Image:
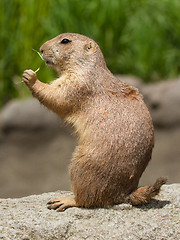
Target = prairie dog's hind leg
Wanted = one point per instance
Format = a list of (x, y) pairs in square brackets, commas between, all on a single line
[(62, 203)]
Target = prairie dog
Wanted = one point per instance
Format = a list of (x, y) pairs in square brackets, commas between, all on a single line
[(113, 125)]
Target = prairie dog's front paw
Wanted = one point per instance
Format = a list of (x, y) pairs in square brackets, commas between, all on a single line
[(29, 77)]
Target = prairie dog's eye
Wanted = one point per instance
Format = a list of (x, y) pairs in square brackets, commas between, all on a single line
[(65, 41)]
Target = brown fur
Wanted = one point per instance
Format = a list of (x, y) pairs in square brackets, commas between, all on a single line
[(113, 125)]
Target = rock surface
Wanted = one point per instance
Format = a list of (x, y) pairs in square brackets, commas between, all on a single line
[(163, 101), (27, 115), (28, 218)]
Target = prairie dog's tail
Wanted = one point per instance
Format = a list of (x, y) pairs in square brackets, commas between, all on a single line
[(142, 195)]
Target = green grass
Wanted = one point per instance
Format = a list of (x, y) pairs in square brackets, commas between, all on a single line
[(22, 29), (138, 37)]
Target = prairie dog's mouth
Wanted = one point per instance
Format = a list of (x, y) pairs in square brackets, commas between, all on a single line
[(47, 61)]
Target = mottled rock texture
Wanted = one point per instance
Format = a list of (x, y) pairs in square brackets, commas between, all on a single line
[(28, 218)]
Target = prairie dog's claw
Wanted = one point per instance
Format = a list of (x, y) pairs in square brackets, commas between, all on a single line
[(60, 204)]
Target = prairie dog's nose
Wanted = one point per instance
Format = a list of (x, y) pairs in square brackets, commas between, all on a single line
[(43, 47)]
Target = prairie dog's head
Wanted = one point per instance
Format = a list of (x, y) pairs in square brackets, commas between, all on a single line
[(69, 51)]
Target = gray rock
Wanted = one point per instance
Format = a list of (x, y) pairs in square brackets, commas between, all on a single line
[(28, 218), (163, 100), (27, 114)]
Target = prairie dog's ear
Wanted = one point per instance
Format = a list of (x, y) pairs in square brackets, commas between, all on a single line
[(89, 47)]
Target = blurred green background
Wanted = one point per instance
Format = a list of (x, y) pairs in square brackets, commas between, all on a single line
[(138, 37)]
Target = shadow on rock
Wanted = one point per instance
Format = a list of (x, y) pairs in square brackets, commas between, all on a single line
[(154, 204)]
